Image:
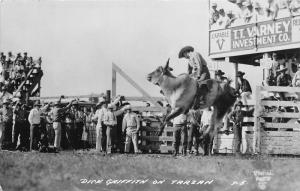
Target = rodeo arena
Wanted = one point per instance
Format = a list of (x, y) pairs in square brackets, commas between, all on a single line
[(204, 111)]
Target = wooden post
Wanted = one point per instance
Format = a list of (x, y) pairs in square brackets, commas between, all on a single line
[(256, 134), (134, 84), (108, 96), (114, 83), (236, 69)]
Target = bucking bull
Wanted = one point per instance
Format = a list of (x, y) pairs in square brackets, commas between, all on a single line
[(181, 92)]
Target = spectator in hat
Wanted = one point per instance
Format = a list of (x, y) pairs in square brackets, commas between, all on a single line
[(214, 15), (239, 11), (34, 119), (6, 114), (230, 19), (56, 114), (219, 76), (197, 68), (283, 79), (237, 117), (249, 12), (19, 126), (131, 126), (296, 78), (222, 19), (294, 7), (272, 9), (110, 120), (100, 127), (243, 88)]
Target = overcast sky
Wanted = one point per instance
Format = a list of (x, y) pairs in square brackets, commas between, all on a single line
[(79, 40)]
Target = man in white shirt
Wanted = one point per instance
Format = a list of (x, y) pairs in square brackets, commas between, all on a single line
[(100, 127), (34, 119)]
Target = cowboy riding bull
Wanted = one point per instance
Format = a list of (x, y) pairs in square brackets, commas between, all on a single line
[(184, 92)]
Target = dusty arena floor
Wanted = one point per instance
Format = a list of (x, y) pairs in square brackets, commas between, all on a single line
[(85, 170)]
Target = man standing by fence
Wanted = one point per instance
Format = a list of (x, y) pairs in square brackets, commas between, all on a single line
[(19, 126), (34, 119), (7, 118), (131, 125), (56, 114)]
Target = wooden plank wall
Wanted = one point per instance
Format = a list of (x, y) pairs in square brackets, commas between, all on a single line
[(280, 131)]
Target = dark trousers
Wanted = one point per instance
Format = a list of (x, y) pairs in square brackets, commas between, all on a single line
[(237, 131), (78, 135), (19, 129), (110, 136), (70, 134), (180, 135), (35, 136), (103, 137), (193, 132), (7, 134)]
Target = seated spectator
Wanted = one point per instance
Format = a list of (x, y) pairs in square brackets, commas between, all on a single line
[(296, 78), (230, 19), (239, 11), (249, 16), (243, 88), (221, 22), (259, 12), (272, 9), (214, 15), (294, 6), (283, 79)]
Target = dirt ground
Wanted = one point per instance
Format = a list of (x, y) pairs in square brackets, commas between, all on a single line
[(87, 170)]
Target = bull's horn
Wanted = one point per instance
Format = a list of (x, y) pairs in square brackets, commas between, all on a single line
[(167, 64)]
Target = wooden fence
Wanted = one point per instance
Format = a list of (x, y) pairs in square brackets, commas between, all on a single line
[(277, 130)]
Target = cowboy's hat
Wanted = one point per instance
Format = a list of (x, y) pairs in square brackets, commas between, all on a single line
[(214, 5), (57, 103), (101, 101), (229, 13), (219, 73), (184, 50), (282, 68), (239, 1), (37, 103), (239, 103), (110, 106), (240, 74), (6, 101), (247, 3), (127, 107)]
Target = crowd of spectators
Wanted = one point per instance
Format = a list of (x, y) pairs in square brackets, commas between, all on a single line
[(77, 125), (14, 70), (242, 12)]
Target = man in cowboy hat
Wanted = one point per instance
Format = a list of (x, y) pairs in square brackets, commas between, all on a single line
[(100, 127), (237, 116), (34, 119), (230, 19), (19, 125), (197, 69), (214, 15), (243, 88), (6, 114), (110, 120), (283, 79), (130, 126), (219, 76), (56, 114)]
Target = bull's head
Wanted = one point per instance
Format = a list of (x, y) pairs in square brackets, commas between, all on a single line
[(155, 76)]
